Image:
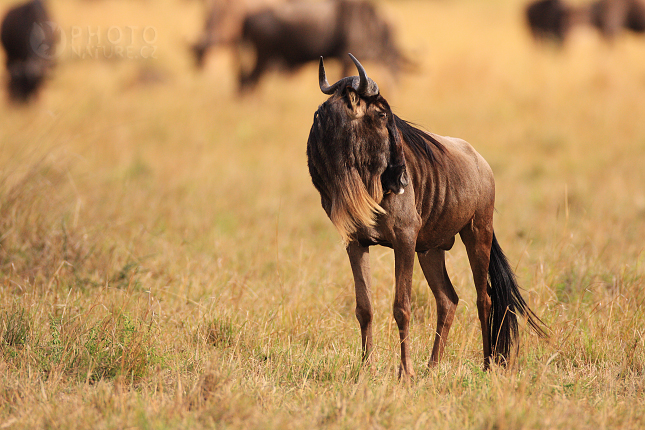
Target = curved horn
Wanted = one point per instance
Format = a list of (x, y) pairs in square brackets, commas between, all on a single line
[(363, 83), (322, 80), (322, 77), (366, 86)]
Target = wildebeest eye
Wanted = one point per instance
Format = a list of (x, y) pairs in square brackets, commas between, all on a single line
[(382, 115)]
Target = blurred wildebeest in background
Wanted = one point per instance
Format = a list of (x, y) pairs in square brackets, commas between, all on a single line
[(553, 19), (28, 40), (293, 34), (547, 19), (612, 16), (223, 26)]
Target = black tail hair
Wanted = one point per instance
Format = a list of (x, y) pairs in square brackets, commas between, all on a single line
[(506, 304)]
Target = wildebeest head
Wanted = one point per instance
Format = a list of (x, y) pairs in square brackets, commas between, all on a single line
[(354, 151)]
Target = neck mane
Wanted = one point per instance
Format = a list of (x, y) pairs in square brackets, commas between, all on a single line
[(422, 143)]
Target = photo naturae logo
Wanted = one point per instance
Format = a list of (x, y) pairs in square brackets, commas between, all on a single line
[(47, 40)]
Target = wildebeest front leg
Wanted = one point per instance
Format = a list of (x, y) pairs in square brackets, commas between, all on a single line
[(248, 80), (433, 263), (403, 266), (359, 258)]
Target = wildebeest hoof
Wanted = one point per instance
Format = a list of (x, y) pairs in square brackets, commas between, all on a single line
[(406, 375)]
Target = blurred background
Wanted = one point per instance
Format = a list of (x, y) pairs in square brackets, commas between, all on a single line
[(161, 162), (153, 165)]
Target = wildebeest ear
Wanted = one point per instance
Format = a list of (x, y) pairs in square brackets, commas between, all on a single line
[(353, 97)]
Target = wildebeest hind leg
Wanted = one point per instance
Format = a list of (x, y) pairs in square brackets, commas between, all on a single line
[(477, 238), (359, 258), (433, 263)]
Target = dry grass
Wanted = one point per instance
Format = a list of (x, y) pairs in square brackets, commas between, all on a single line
[(165, 262)]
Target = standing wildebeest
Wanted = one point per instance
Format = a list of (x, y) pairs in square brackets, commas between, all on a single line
[(296, 33), (553, 19), (611, 16), (548, 19), (361, 158), (28, 40), (223, 26)]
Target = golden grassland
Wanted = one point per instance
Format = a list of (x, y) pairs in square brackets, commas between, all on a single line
[(165, 262)]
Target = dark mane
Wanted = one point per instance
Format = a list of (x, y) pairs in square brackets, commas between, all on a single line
[(421, 142)]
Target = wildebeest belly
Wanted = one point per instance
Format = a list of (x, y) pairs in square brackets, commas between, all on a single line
[(385, 237)]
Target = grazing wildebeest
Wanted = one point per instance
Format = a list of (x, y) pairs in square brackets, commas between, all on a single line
[(296, 33), (611, 16), (554, 19), (384, 182), (548, 19), (28, 40), (223, 26)]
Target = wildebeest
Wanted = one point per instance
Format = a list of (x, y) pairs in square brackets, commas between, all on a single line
[(548, 19), (384, 182), (223, 26), (612, 16), (293, 34), (28, 40), (554, 19)]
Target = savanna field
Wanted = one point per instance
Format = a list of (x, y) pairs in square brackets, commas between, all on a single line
[(165, 261)]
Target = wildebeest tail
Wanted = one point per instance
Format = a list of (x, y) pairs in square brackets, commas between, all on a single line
[(506, 305)]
